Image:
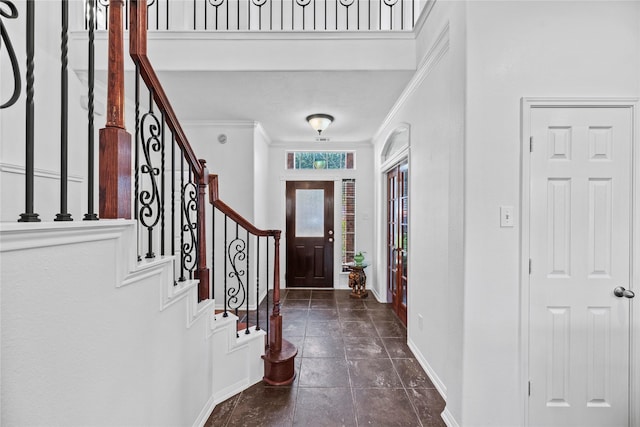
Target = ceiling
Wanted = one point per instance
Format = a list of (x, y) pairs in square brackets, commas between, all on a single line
[(280, 100)]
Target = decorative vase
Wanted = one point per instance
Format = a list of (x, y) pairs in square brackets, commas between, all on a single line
[(358, 258)]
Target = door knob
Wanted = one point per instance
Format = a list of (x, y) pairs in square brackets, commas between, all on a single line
[(622, 292), (331, 240)]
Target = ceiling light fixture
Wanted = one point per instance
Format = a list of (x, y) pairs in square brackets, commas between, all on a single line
[(319, 122)]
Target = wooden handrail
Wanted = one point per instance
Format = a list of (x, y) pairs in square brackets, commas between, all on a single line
[(280, 354), (231, 213), (138, 52)]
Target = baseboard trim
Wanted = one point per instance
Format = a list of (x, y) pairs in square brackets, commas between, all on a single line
[(435, 379), (448, 419), (205, 413)]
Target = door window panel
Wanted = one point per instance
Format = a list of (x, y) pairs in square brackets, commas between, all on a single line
[(309, 213)]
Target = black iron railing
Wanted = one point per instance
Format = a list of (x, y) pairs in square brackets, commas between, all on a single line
[(8, 10), (169, 201), (241, 260), (274, 15), (166, 189)]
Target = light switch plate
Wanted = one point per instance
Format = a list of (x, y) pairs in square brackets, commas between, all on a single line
[(506, 216)]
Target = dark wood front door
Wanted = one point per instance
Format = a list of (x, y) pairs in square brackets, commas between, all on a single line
[(310, 234), (397, 232)]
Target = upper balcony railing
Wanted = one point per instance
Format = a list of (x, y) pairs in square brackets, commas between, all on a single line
[(274, 15)]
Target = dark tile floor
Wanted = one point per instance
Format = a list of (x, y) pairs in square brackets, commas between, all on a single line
[(353, 367)]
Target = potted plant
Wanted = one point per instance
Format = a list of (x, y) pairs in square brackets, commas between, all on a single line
[(359, 257)]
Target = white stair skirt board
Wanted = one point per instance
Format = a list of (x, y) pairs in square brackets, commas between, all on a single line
[(125, 304), (237, 356)]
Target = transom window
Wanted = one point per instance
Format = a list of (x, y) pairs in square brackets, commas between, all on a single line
[(320, 160)]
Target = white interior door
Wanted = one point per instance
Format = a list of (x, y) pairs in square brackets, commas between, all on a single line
[(580, 249)]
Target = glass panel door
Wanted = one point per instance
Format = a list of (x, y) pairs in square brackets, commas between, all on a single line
[(397, 238)]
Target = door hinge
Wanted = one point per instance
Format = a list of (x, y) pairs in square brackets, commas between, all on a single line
[(531, 144), (529, 388), (529, 265)]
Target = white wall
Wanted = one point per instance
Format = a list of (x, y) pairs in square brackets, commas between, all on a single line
[(90, 341), (261, 184), (279, 175), (518, 49), (433, 107)]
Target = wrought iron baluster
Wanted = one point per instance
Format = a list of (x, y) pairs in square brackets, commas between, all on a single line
[(13, 59), (213, 251), (248, 280), (182, 278), (189, 228), (149, 214), (91, 215), (257, 283), (64, 215), (346, 4), (173, 202), (226, 240), (268, 305), (29, 215), (162, 185), (216, 4)]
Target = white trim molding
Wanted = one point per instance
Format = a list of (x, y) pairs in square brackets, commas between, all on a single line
[(40, 173), (439, 48)]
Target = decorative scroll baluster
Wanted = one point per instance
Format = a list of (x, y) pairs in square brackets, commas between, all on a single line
[(364, 19), (64, 215), (13, 59), (91, 214), (150, 199), (29, 215), (189, 227)]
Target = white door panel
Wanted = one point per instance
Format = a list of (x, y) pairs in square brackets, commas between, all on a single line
[(580, 243)]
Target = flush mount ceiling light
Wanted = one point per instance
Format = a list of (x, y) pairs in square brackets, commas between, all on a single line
[(319, 122)]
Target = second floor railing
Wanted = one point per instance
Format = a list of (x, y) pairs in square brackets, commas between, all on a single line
[(274, 15)]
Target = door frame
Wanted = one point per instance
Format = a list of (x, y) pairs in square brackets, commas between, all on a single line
[(527, 105), (395, 158)]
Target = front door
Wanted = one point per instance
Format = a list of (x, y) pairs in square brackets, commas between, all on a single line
[(580, 243), (310, 234), (397, 232)]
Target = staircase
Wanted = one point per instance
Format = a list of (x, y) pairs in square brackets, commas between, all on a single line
[(112, 321)]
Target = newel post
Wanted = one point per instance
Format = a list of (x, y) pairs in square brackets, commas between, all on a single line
[(115, 141), (280, 356), (202, 272)]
